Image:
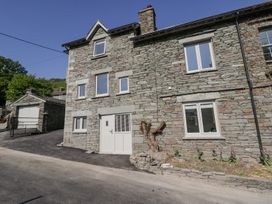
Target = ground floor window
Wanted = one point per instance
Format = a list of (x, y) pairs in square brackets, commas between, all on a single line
[(201, 119), (122, 123), (80, 124)]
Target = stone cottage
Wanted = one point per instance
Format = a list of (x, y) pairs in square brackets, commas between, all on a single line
[(209, 80), (38, 112)]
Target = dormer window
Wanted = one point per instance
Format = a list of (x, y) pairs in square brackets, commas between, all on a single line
[(99, 47)]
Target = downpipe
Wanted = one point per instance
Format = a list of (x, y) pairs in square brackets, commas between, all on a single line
[(250, 86)]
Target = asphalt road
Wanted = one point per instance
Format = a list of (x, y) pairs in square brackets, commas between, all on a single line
[(31, 178), (46, 144)]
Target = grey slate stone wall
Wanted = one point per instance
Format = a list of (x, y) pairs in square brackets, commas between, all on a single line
[(159, 78)]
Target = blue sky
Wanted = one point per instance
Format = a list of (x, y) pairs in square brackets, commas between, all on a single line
[(54, 22)]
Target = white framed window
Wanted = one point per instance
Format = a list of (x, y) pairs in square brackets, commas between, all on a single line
[(123, 85), (123, 123), (266, 42), (201, 120), (99, 47), (102, 84), (199, 56), (80, 124), (81, 91)]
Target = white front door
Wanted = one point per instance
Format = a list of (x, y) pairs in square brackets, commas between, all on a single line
[(28, 116), (116, 134)]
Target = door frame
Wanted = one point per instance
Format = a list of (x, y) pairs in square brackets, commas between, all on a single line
[(131, 132)]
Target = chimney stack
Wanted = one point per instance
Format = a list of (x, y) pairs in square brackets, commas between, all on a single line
[(147, 19)]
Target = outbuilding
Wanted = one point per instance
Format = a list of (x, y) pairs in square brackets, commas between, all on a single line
[(38, 112)]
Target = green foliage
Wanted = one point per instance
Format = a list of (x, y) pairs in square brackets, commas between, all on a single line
[(177, 154), (232, 158), (12, 67), (8, 68), (21, 82), (58, 84), (265, 159), (200, 155)]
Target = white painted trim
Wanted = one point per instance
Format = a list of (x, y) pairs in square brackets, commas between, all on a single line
[(202, 134), (120, 91), (78, 91), (80, 130), (98, 23), (198, 58), (196, 38), (108, 91), (94, 45)]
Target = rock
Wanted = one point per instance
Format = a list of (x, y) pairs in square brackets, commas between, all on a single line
[(166, 166), (89, 152), (60, 144)]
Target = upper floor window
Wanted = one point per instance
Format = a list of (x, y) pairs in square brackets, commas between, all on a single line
[(266, 42), (80, 124), (102, 84), (199, 56), (81, 91), (200, 119), (123, 85), (99, 47)]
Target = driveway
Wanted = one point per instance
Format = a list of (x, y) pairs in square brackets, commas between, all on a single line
[(30, 178), (46, 144)]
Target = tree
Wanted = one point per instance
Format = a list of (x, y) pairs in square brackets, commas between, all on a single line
[(19, 84), (8, 68)]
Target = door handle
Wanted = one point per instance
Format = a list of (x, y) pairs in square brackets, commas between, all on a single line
[(111, 131)]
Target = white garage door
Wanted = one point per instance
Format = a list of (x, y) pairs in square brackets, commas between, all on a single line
[(116, 134), (28, 116)]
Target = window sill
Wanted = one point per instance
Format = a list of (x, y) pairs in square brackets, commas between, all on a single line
[(102, 96), (99, 56), (203, 138), (80, 99), (80, 132), (120, 94), (201, 71)]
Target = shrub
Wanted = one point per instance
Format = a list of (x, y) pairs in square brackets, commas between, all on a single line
[(232, 158)]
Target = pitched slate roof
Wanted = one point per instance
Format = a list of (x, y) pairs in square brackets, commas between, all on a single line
[(251, 10)]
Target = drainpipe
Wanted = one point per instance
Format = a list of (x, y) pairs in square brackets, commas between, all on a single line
[(250, 86)]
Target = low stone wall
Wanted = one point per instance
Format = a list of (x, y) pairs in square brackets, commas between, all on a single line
[(219, 177), (155, 163)]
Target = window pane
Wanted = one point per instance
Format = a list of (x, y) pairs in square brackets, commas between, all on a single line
[(84, 123), (124, 84), (208, 120), (127, 122), (191, 58), (81, 90), (77, 123), (263, 38), (267, 53), (99, 47), (191, 120), (123, 123), (205, 54), (102, 84), (119, 123)]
